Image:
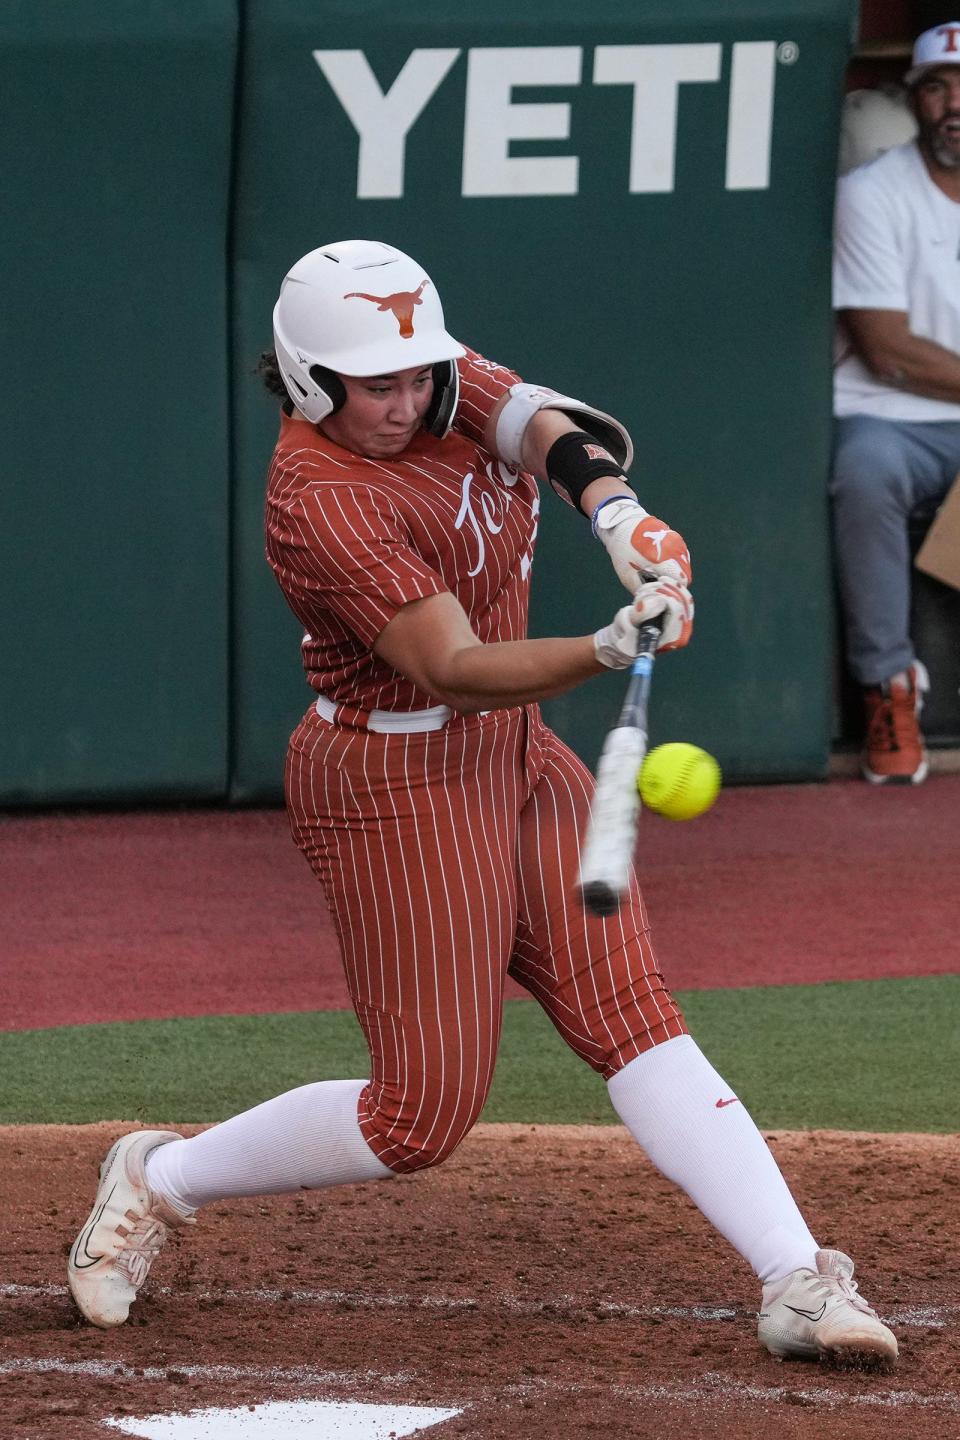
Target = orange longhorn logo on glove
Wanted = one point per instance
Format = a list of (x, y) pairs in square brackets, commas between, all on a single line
[(401, 304), (655, 542)]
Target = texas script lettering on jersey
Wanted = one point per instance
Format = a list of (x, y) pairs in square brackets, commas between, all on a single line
[(493, 508)]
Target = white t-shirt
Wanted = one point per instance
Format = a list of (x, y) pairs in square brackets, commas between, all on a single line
[(896, 247)]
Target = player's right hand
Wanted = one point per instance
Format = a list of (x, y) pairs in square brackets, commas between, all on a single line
[(616, 644)]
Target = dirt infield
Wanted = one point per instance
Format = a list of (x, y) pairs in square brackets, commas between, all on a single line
[(546, 1282)]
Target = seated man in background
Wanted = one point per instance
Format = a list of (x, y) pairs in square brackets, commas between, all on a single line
[(896, 291)]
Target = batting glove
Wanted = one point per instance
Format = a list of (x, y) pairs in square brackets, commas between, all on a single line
[(616, 644), (640, 543)]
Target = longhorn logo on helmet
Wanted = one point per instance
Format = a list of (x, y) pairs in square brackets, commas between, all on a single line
[(401, 304)]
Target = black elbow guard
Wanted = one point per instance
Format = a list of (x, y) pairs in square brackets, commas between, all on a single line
[(575, 461)]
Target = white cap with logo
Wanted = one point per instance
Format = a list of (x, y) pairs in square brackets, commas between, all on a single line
[(939, 46)]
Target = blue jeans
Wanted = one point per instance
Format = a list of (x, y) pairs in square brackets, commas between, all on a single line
[(883, 469)]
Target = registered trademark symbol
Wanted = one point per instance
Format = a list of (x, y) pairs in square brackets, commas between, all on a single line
[(788, 52)]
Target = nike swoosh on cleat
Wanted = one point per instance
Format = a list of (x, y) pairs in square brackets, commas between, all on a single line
[(80, 1248), (722, 1103), (808, 1314)]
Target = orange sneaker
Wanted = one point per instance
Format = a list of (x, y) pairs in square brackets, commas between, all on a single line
[(894, 750)]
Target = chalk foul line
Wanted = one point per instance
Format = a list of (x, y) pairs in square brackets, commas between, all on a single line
[(285, 1374), (709, 1386), (932, 1317)]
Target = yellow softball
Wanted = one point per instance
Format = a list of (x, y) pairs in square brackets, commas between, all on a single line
[(679, 781)]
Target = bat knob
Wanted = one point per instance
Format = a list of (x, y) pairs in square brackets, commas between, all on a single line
[(600, 899)]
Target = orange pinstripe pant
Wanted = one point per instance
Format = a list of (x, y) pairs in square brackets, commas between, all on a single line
[(449, 859)]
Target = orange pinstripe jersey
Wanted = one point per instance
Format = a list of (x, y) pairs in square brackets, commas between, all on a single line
[(351, 540)]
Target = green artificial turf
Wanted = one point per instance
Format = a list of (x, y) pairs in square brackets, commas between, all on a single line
[(864, 1055)]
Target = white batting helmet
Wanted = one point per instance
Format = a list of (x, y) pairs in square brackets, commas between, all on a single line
[(360, 307)]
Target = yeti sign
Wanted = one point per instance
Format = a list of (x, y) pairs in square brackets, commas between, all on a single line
[(493, 118)]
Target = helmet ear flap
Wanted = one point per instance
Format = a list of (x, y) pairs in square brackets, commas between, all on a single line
[(333, 387), (446, 393)]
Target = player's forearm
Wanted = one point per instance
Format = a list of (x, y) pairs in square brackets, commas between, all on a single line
[(604, 489), (543, 430), (432, 643), (515, 672)]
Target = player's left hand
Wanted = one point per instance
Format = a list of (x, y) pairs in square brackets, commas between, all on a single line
[(616, 644), (641, 545)]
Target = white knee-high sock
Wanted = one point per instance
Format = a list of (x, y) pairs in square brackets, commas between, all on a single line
[(667, 1098), (306, 1139)]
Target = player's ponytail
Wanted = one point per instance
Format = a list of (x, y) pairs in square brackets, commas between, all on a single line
[(268, 368)]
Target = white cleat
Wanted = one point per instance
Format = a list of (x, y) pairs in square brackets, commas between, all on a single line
[(123, 1234), (819, 1315)]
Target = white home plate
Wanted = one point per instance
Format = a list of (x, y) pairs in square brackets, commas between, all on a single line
[(289, 1420)]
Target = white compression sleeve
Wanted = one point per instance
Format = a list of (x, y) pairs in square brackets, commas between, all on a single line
[(308, 1138), (667, 1098)]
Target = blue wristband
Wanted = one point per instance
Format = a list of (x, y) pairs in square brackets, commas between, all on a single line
[(608, 501)]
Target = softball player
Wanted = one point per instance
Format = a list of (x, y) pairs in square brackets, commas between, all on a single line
[(440, 814)]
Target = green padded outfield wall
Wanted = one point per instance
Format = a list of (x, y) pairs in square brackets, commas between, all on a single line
[(632, 204), (114, 534), (631, 207)]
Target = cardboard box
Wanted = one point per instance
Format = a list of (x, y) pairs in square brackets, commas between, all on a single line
[(939, 555)]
